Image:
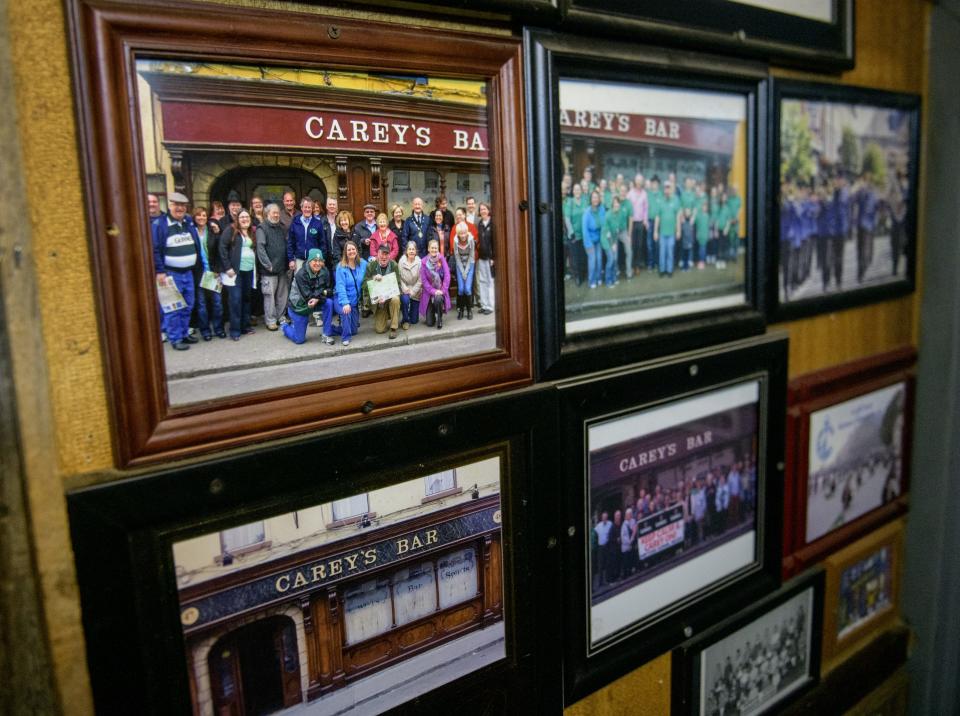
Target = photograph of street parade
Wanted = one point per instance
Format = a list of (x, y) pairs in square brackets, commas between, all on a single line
[(303, 221), (847, 197), (352, 606), (655, 202), (866, 591), (674, 491), (760, 665), (855, 458)]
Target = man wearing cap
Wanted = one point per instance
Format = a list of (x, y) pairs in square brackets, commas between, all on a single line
[(306, 232), (415, 228), (363, 230), (384, 310), (309, 293), (176, 253)]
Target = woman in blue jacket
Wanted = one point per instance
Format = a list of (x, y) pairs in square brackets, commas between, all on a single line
[(593, 219), (346, 298)]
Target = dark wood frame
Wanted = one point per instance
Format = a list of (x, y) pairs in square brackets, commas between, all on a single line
[(106, 38), (686, 668), (727, 27), (816, 391), (662, 382), (891, 534), (123, 532), (845, 94), (550, 56)]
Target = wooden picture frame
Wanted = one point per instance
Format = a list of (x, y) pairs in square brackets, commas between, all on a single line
[(155, 605), (876, 560), (798, 671), (815, 393), (708, 123), (107, 40), (683, 420), (824, 189), (749, 29)]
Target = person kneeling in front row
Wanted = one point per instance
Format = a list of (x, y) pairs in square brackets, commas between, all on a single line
[(309, 293), (384, 309)]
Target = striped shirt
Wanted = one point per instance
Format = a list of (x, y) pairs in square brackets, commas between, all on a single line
[(179, 252)]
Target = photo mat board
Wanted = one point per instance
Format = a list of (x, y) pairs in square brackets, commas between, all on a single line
[(757, 660), (845, 216), (862, 589), (167, 78), (688, 443), (615, 134), (397, 584), (849, 446), (811, 33)]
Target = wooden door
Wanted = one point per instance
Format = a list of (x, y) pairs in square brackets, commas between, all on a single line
[(285, 643), (358, 189), (225, 679)]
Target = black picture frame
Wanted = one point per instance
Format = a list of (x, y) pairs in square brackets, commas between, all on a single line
[(732, 27), (686, 665), (590, 663), (549, 56), (123, 534), (781, 306)]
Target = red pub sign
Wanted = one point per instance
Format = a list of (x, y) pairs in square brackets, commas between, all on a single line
[(708, 135), (195, 123)]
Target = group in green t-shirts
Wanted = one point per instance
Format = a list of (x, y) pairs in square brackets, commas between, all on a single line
[(616, 228)]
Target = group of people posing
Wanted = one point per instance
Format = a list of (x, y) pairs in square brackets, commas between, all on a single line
[(712, 502), (819, 216), (318, 263), (614, 228)]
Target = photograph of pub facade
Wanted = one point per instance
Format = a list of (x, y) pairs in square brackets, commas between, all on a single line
[(355, 605), (210, 129)]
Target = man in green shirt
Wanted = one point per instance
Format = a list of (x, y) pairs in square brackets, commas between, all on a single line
[(654, 198), (666, 229)]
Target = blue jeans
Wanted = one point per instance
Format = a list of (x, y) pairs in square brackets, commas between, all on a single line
[(209, 308), (177, 323), (239, 295), (593, 262), (296, 330), (349, 322), (465, 283), (651, 250), (612, 264), (666, 253), (409, 309)]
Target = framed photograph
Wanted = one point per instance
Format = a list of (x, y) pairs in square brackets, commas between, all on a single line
[(846, 215), (647, 224), (849, 433), (863, 589), (757, 661), (811, 34), (213, 170), (399, 583), (674, 501)]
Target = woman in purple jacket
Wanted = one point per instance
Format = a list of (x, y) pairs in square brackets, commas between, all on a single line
[(435, 278)]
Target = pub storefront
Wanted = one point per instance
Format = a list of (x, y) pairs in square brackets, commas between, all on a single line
[(299, 628), (206, 136)]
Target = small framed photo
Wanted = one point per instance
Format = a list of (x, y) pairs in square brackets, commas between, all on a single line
[(818, 33), (215, 170), (396, 584), (849, 436), (862, 589), (758, 660), (845, 217), (674, 501), (648, 196)]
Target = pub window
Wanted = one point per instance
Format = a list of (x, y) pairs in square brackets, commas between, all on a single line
[(431, 181), (414, 593), (157, 184), (239, 539), (401, 180), (350, 507), (440, 482), (463, 182), (457, 577), (367, 610)]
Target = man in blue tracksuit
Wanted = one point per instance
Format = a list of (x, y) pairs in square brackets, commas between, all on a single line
[(176, 253), (306, 232), (865, 204)]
